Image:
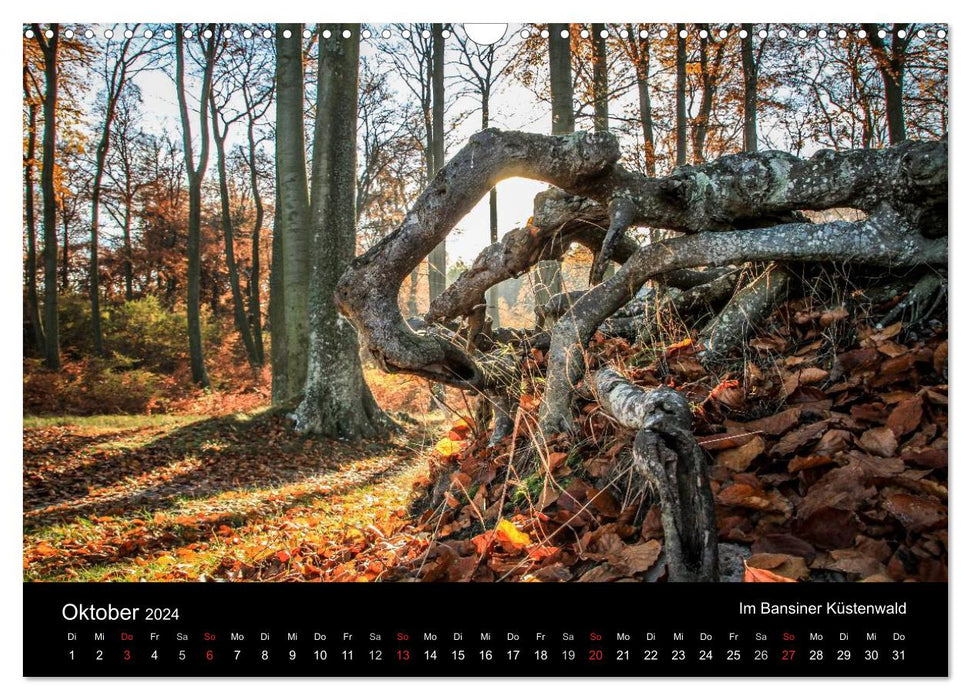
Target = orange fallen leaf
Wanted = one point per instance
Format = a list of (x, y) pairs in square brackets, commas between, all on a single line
[(44, 549), (448, 448), (510, 537), (753, 575)]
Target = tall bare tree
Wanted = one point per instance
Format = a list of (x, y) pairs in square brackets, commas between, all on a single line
[(680, 90), (258, 90), (548, 280), (128, 172), (438, 260), (292, 265), (122, 61), (891, 62), (711, 56), (601, 106), (48, 43), (196, 172), (32, 100), (337, 401), (232, 79)]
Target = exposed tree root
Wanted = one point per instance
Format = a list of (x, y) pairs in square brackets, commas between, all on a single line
[(923, 301), (743, 315), (667, 456), (876, 241), (737, 209)]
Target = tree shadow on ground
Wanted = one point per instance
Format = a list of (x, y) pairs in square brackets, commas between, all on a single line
[(198, 460)]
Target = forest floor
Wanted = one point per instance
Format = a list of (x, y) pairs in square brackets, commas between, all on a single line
[(827, 442), (190, 497)]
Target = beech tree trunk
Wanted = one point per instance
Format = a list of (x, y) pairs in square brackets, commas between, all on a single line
[(30, 265), (337, 401), (277, 311), (750, 79), (196, 173), (438, 260), (294, 206), (49, 47), (890, 63), (680, 88), (226, 221), (548, 281)]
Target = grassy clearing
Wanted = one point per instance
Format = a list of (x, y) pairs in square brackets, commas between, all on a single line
[(128, 498), (115, 422)]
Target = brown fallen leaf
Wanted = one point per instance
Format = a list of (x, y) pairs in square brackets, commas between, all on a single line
[(762, 576), (784, 543), (799, 463), (916, 513), (639, 557), (785, 565), (829, 528), (940, 359), (851, 561), (738, 459), (800, 437), (748, 496), (879, 441), (906, 416), (555, 461)]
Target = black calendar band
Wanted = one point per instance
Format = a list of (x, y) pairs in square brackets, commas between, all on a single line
[(341, 630)]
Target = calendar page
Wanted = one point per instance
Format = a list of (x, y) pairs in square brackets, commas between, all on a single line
[(578, 349)]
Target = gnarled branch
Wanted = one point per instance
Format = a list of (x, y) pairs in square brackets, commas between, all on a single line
[(667, 456)]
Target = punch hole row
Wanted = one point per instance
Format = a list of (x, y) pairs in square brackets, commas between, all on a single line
[(525, 33)]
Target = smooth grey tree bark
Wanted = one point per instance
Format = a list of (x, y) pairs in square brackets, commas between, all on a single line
[(294, 206), (276, 312), (337, 401), (438, 259)]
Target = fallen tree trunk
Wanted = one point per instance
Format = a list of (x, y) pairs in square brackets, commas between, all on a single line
[(737, 209), (667, 456)]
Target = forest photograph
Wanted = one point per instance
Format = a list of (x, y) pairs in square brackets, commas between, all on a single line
[(407, 302)]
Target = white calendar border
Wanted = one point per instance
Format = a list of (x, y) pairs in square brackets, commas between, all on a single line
[(487, 11)]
